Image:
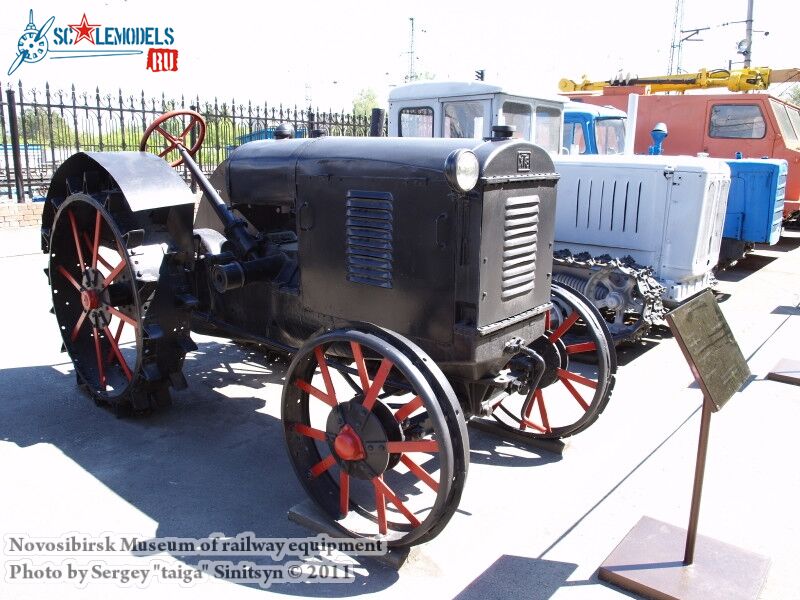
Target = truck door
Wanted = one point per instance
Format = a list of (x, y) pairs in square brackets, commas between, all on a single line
[(738, 126)]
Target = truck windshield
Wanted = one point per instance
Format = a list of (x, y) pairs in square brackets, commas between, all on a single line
[(463, 119), (610, 135), (548, 129), (788, 118), (518, 115)]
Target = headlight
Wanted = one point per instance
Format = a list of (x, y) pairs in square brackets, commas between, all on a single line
[(462, 169)]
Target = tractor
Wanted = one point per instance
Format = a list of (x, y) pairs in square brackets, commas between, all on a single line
[(408, 280)]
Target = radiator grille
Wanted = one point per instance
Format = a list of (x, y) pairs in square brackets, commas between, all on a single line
[(369, 254), (519, 245)]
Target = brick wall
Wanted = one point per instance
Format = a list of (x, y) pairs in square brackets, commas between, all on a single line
[(26, 214)]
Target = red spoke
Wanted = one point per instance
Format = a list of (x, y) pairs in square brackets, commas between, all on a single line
[(533, 425), (102, 260), (576, 378), (415, 446), (421, 473), (568, 322), (117, 335), (76, 329), (310, 389), (95, 247), (326, 374), (307, 431), (120, 359), (167, 135), (169, 149), (101, 372), (121, 315), (344, 493), (409, 408), (377, 383), (547, 320), (187, 130), (117, 270), (387, 493), (575, 394), (322, 466), (358, 357), (543, 411), (76, 237), (380, 505), (69, 277), (582, 347)]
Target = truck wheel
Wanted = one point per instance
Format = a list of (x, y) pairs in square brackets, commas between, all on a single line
[(375, 434), (105, 306), (571, 395)]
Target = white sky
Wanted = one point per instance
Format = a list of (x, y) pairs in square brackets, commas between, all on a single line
[(282, 52)]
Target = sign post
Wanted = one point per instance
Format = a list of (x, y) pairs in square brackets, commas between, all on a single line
[(646, 561)]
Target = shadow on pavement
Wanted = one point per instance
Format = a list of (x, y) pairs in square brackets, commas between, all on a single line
[(213, 462), (518, 577)]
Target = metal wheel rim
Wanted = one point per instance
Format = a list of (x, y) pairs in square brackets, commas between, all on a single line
[(318, 467), (71, 222), (538, 421)]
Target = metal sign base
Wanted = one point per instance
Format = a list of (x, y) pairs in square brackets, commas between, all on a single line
[(309, 516), (786, 371), (649, 562)]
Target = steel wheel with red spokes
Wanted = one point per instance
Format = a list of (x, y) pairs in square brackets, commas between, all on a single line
[(375, 434), (572, 393), (96, 299)]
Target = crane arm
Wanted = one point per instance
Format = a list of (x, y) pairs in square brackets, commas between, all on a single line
[(736, 80)]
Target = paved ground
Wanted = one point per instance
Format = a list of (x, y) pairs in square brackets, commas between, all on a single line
[(530, 525)]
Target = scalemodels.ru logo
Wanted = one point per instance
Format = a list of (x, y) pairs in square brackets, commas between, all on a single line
[(92, 40)]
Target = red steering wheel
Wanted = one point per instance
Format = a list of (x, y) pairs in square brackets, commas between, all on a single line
[(173, 141)]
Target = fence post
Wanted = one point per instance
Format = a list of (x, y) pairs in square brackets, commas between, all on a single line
[(311, 121), (376, 122), (13, 128), (192, 140)]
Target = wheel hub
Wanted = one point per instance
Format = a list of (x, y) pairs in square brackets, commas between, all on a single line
[(348, 445), (94, 298), (555, 357), (358, 438), (90, 300)]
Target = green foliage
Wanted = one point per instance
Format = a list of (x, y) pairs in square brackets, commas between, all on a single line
[(365, 101), (37, 127)]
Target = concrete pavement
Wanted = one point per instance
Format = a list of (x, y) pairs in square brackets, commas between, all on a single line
[(530, 525)]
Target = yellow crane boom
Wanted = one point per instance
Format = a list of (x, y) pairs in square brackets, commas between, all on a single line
[(736, 80)]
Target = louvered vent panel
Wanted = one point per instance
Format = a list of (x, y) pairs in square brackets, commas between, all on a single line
[(519, 245), (369, 240)]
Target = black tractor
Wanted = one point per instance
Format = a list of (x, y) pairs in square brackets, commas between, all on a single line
[(409, 280)]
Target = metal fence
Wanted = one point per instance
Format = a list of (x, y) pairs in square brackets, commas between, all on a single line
[(41, 128)]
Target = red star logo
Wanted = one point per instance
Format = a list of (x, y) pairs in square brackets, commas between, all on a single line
[(84, 30)]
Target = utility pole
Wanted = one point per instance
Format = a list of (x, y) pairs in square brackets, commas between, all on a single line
[(675, 48), (748, 34), (412, 74)]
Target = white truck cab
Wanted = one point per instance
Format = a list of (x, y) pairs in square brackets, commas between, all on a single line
[(470, 109)]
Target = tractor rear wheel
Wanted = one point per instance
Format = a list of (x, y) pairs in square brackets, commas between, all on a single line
[(126, 348)]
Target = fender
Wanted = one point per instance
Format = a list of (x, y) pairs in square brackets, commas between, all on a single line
[(146, 181)]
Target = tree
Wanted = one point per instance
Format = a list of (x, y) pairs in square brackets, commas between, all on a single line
[(37, 127), (365, 101), (792, 94)]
